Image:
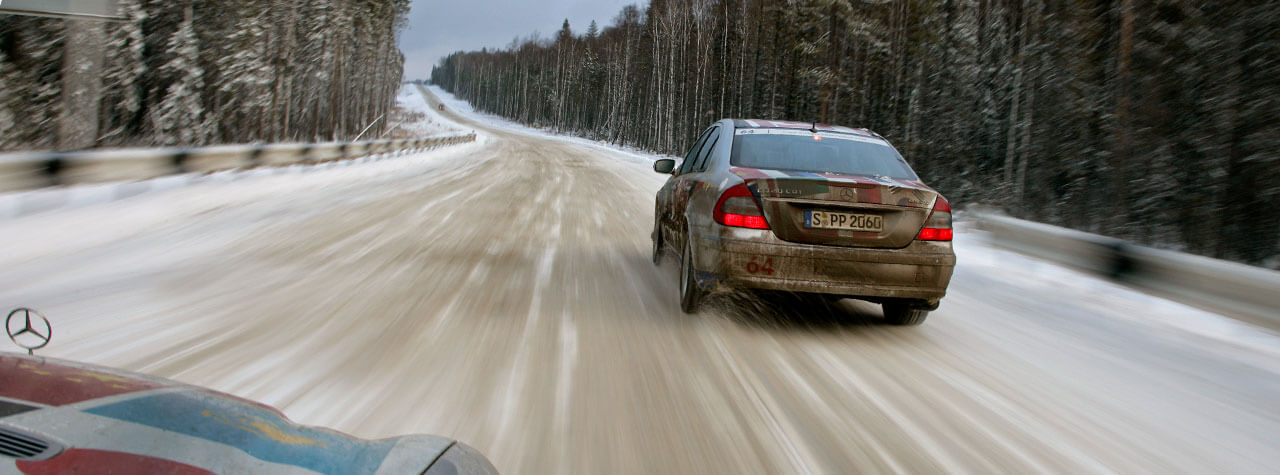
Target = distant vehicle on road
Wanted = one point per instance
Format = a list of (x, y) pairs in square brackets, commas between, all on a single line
[(806, 208)]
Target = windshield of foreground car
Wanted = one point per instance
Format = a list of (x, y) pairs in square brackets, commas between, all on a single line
[(820, 153)]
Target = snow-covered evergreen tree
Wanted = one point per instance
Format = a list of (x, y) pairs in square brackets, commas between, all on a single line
[(180, 117), (245, 76), (30, 74), (126, 68), (8, 102)]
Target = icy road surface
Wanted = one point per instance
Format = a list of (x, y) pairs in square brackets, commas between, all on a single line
[(501, 293)]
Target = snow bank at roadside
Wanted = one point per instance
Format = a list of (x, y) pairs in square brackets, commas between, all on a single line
[(979, 254), (418, 118), (94, 215), (460, 106)]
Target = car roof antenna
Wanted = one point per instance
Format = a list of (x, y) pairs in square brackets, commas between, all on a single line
[(814, 128)]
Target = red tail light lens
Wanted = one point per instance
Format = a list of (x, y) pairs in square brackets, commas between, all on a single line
[(934, 234), (938, 226), (738, 208)]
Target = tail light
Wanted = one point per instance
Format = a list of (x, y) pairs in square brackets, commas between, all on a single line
[(938, 226), (738, 208)]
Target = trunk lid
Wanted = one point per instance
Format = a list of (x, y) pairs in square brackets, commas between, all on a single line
[(822, 208)]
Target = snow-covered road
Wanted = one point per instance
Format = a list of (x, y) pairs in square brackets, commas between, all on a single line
[(501, 292)]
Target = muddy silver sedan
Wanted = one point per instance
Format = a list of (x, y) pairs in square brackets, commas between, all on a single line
[(806, 208)]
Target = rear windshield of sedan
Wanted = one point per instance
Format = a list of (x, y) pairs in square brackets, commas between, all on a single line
[(778, 149)]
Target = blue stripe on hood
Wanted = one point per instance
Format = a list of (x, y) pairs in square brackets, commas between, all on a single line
[(259, 432)]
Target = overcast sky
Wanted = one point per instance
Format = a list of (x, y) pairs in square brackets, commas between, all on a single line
[(439, 27)]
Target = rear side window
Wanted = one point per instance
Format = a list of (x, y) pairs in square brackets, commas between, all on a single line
[(701, 163), (823, 152), (693, 152)]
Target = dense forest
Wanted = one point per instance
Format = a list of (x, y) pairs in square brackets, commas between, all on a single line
[(193, 73), (1155, 121)]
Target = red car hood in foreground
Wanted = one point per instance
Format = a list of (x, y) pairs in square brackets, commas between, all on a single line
[(60, 416)]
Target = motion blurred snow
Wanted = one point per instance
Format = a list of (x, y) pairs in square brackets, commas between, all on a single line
[(502, 292)]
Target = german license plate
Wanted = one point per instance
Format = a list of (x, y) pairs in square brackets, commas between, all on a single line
[(848, 221)]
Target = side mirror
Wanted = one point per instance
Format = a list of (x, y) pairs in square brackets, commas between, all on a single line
[(664, 165)]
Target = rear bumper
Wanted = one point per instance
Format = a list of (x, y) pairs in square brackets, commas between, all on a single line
[(740, 258)]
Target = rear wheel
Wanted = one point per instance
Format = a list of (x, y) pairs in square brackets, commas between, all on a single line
[(690, 293), (903, 314)]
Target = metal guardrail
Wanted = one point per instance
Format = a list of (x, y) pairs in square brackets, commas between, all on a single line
[(33, 170), (1236, 290)]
